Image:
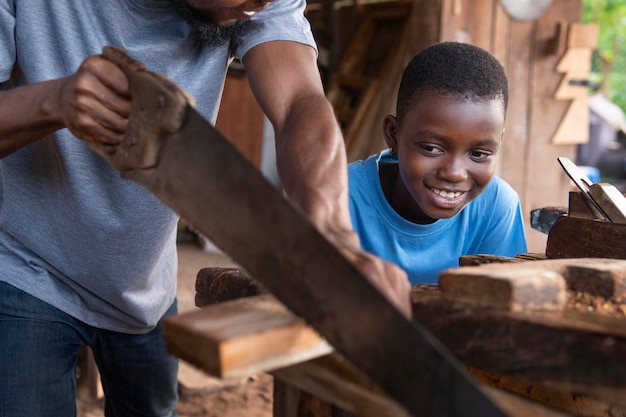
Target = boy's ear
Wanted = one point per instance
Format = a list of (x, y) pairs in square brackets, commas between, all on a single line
[(390, 131)]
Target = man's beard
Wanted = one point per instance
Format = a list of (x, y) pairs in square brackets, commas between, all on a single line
[(203, 29)]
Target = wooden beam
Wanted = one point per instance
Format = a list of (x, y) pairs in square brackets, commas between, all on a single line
[(335, 380), (257, 334), (327, 376), (569, 350), (515, 285), (516, 289), (243, 337)]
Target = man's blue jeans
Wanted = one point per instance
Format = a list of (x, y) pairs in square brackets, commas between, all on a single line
[(38, 354)]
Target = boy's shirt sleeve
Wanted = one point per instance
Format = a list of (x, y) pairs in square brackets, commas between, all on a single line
[(505, 234)]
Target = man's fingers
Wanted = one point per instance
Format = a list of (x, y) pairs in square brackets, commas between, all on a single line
[(397, 288), (108, 74), (97, 123), (389, 279)]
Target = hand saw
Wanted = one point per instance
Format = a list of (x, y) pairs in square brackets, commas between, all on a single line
[(185, 162)]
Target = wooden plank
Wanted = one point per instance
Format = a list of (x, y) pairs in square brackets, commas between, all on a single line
[(577, 63), (425, 24), (256, 334), (505, 287), (568, 350), (330, 377), (493, 285), (475, 260), (327, 378), (320, 377), (514, 151), (230, 339), (582, 35), (335, 380), (517, 406), (571, 403), (289, 401), (468, 21), (574, 128), (365, 137)]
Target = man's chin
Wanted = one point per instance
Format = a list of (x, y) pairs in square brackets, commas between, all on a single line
[(204, 30)]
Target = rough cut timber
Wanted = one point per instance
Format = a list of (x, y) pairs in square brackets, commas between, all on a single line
[(327, 376), (243, 337), (514, 285), (574, 404), (334, 380), (510, 288), (568, 350), (536, 285)]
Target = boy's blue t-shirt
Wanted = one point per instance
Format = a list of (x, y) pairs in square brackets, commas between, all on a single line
[(492, 223), (73, 233)]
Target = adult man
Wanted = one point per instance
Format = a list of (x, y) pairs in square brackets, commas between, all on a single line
[(88, 258)]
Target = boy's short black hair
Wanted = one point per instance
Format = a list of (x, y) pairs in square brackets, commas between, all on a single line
[(452, 68)]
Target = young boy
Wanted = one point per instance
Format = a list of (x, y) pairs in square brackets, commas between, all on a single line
[(432, 196)]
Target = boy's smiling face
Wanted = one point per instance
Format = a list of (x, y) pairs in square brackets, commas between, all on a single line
[(446, 146)]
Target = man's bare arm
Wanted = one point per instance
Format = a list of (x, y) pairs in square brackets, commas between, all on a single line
[(309, 145), (91, 103), (311, 155)]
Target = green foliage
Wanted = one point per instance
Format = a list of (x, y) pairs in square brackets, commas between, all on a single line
[(609, 59)]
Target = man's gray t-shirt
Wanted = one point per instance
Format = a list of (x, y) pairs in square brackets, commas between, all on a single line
[(72, 232)]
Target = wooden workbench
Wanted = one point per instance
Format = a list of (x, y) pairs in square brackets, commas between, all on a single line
[(553, 356)]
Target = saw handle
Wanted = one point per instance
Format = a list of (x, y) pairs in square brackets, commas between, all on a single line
[(158, 109)]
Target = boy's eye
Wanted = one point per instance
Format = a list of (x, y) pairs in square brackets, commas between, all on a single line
[(431, 149), (480, 155)]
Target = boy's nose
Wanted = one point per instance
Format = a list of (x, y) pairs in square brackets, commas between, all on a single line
[(453, 170)]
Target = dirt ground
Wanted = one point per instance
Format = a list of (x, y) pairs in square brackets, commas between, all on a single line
[(248, 398), (200, 394)]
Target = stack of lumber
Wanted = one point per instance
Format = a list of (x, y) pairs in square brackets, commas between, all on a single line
[(542, 335)]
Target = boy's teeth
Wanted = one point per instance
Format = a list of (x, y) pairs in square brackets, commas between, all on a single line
[(446, 194)]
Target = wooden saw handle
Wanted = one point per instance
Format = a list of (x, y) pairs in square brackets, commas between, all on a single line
[(157, 110)]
